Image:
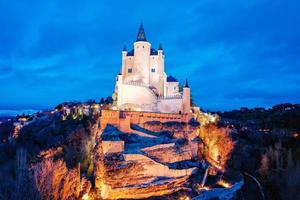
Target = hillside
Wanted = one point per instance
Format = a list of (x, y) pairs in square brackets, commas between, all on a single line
[(164, 160), (268, 147)]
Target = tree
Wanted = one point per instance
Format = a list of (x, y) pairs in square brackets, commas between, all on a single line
[(109, 100), (102, 101), (54, 181), (91, 102), (264, 165)]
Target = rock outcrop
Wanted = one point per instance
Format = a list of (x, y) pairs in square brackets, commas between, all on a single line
[(172, 152), (143, 169)]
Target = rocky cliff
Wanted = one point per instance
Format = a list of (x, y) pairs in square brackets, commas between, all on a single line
[(144, 167)]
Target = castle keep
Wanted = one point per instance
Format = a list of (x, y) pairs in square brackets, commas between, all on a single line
[(142, 84)]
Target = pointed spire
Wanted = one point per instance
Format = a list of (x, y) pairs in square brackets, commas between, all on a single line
[(186, 85), (124, 48), (160, 47), (141, 34)]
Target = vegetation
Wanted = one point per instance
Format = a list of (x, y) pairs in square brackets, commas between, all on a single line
[(55, 181), (49, 166), (285, 116), (280, 171), (267, 147)]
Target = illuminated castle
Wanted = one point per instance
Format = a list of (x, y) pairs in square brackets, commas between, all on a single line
[(142, 84)]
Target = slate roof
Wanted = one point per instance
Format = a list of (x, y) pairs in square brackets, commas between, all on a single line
[(141, 34), (171, 79)]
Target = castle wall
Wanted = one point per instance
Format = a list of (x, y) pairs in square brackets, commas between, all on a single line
[(117, 118), (170, 105), (157, 77), (124, 124), (109, 117), (124, 59), (137, 97), (172, 88), (136, 73), (186, 100), (129, 61)]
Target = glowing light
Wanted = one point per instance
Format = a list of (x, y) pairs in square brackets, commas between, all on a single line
[(224, 184), (23, 119), (96, 106), (184, 197), (199, 187), (85, 196)]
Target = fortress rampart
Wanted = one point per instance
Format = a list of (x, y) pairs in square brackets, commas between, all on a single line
[(123, 119)]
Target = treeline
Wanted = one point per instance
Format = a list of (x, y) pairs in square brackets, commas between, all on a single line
[(286, 116)]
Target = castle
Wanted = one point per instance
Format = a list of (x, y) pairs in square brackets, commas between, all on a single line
[(142, 84)]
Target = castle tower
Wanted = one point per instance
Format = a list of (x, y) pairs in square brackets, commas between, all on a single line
[(124, 54), (142, 56), (186, 98), (161, 70)]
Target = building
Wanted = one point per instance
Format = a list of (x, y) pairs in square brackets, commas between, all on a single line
[(142, 84)]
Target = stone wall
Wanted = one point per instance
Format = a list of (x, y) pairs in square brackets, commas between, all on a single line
[(117, 118), (171, 104), (109, 117), (136, 95), (172, 88), (112, 147)]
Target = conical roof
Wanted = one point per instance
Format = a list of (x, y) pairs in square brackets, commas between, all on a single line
[(141, 34)]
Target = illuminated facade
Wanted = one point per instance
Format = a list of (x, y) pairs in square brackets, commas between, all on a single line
[(142, 84)]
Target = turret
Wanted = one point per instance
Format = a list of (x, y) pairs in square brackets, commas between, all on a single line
[(186, 97), (124, 54), (160, 49), (161, 70), (186, 84), (142, 55), (160, 53), (119, 89)]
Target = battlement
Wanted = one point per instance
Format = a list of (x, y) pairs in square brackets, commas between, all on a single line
[(123, 119)]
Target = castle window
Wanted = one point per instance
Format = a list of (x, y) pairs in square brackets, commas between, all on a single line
[(129, 70), (152, 69)]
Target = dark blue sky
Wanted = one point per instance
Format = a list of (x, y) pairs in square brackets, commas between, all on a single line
[(234, 53)]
